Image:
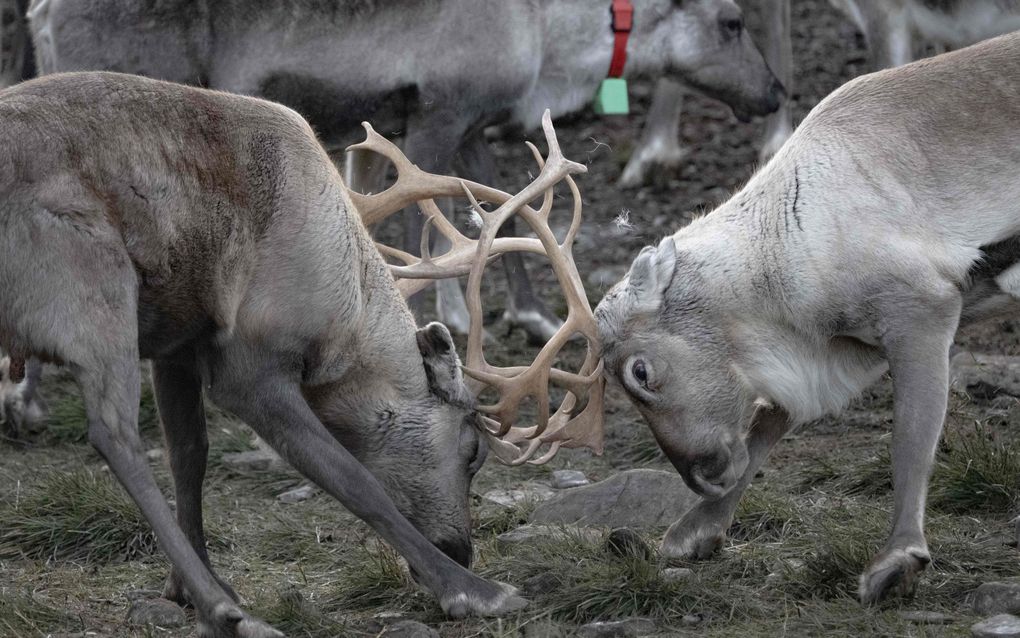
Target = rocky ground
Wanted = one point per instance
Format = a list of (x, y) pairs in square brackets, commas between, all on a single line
[(77, 560)]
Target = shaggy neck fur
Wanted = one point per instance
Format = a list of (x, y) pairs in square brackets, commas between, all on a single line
[(753, 248)]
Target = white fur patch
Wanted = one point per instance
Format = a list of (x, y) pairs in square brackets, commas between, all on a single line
[(809, 380)]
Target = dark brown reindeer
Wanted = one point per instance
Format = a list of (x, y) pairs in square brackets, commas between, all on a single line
[(211, 233)]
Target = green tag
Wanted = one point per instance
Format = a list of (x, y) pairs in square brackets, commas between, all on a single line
[(612, 97)]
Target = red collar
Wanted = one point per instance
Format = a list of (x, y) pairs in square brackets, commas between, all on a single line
[(623, 14)]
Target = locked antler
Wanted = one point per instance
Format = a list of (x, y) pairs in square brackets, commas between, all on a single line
[(578, 420)]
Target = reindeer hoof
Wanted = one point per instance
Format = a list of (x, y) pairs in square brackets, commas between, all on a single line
[(693, 537), (229, 621), (893, 572), (497, 599)]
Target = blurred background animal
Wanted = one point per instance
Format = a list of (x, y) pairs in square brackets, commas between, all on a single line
[(436, 72), (895, 32)]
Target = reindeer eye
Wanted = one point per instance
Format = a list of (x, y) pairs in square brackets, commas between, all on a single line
[(639, 371)]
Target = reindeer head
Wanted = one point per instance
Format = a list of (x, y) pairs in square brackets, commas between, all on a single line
[(460, 429), (664, 345), (705, 44)]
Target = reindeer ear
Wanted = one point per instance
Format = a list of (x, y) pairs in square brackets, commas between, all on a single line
[(650, 275), (442, 365)]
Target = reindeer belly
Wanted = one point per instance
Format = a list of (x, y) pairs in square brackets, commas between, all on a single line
[(336, 111)]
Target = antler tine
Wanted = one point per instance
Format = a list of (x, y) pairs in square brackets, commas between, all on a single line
[(577, 420)]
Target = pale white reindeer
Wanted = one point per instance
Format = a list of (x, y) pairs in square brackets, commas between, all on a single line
[(888, 220)]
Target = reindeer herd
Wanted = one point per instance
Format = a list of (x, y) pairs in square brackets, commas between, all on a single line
[(194, 218)]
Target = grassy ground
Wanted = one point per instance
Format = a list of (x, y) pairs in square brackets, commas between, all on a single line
[(72, 546)]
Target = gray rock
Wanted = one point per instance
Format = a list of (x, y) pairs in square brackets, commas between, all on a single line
[(565, 479), (154, 454), (985, 376), (298, 494), (635, 498), (1001, 626), (532, 492), (626, 543), (692, 620), (529, 533), (618, 628), (254, 461), (997, 598), (409, 629), (156, 611), (926, 617), (676, 574)]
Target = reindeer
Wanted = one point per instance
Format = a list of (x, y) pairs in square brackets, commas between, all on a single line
[(891, 28), (212, 234), (436, 71), (887, 221), (660, 137)]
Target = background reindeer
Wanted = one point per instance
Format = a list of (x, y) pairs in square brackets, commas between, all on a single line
[(896, 32), (840, 257), (396, 65)]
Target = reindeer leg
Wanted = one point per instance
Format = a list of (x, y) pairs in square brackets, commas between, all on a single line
[(88, 319), (525, 308), (917, 347), (888, 33), (660, 138), (178, 389), (778, 52), (33, 408), (431, 143), (254, 387), (702, 530)]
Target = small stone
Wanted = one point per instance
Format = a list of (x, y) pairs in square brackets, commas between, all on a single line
[(529, 533), (298, 494), (565, 479), (1001, 626), (692, 620), (618, 628), (254, 461), (156, 611), (626, 543), (527, 493), (154, 454), (676, 574), (985, 376), (409, 629), (997, 598), (389, 615), (540, 584), (926, 617)]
